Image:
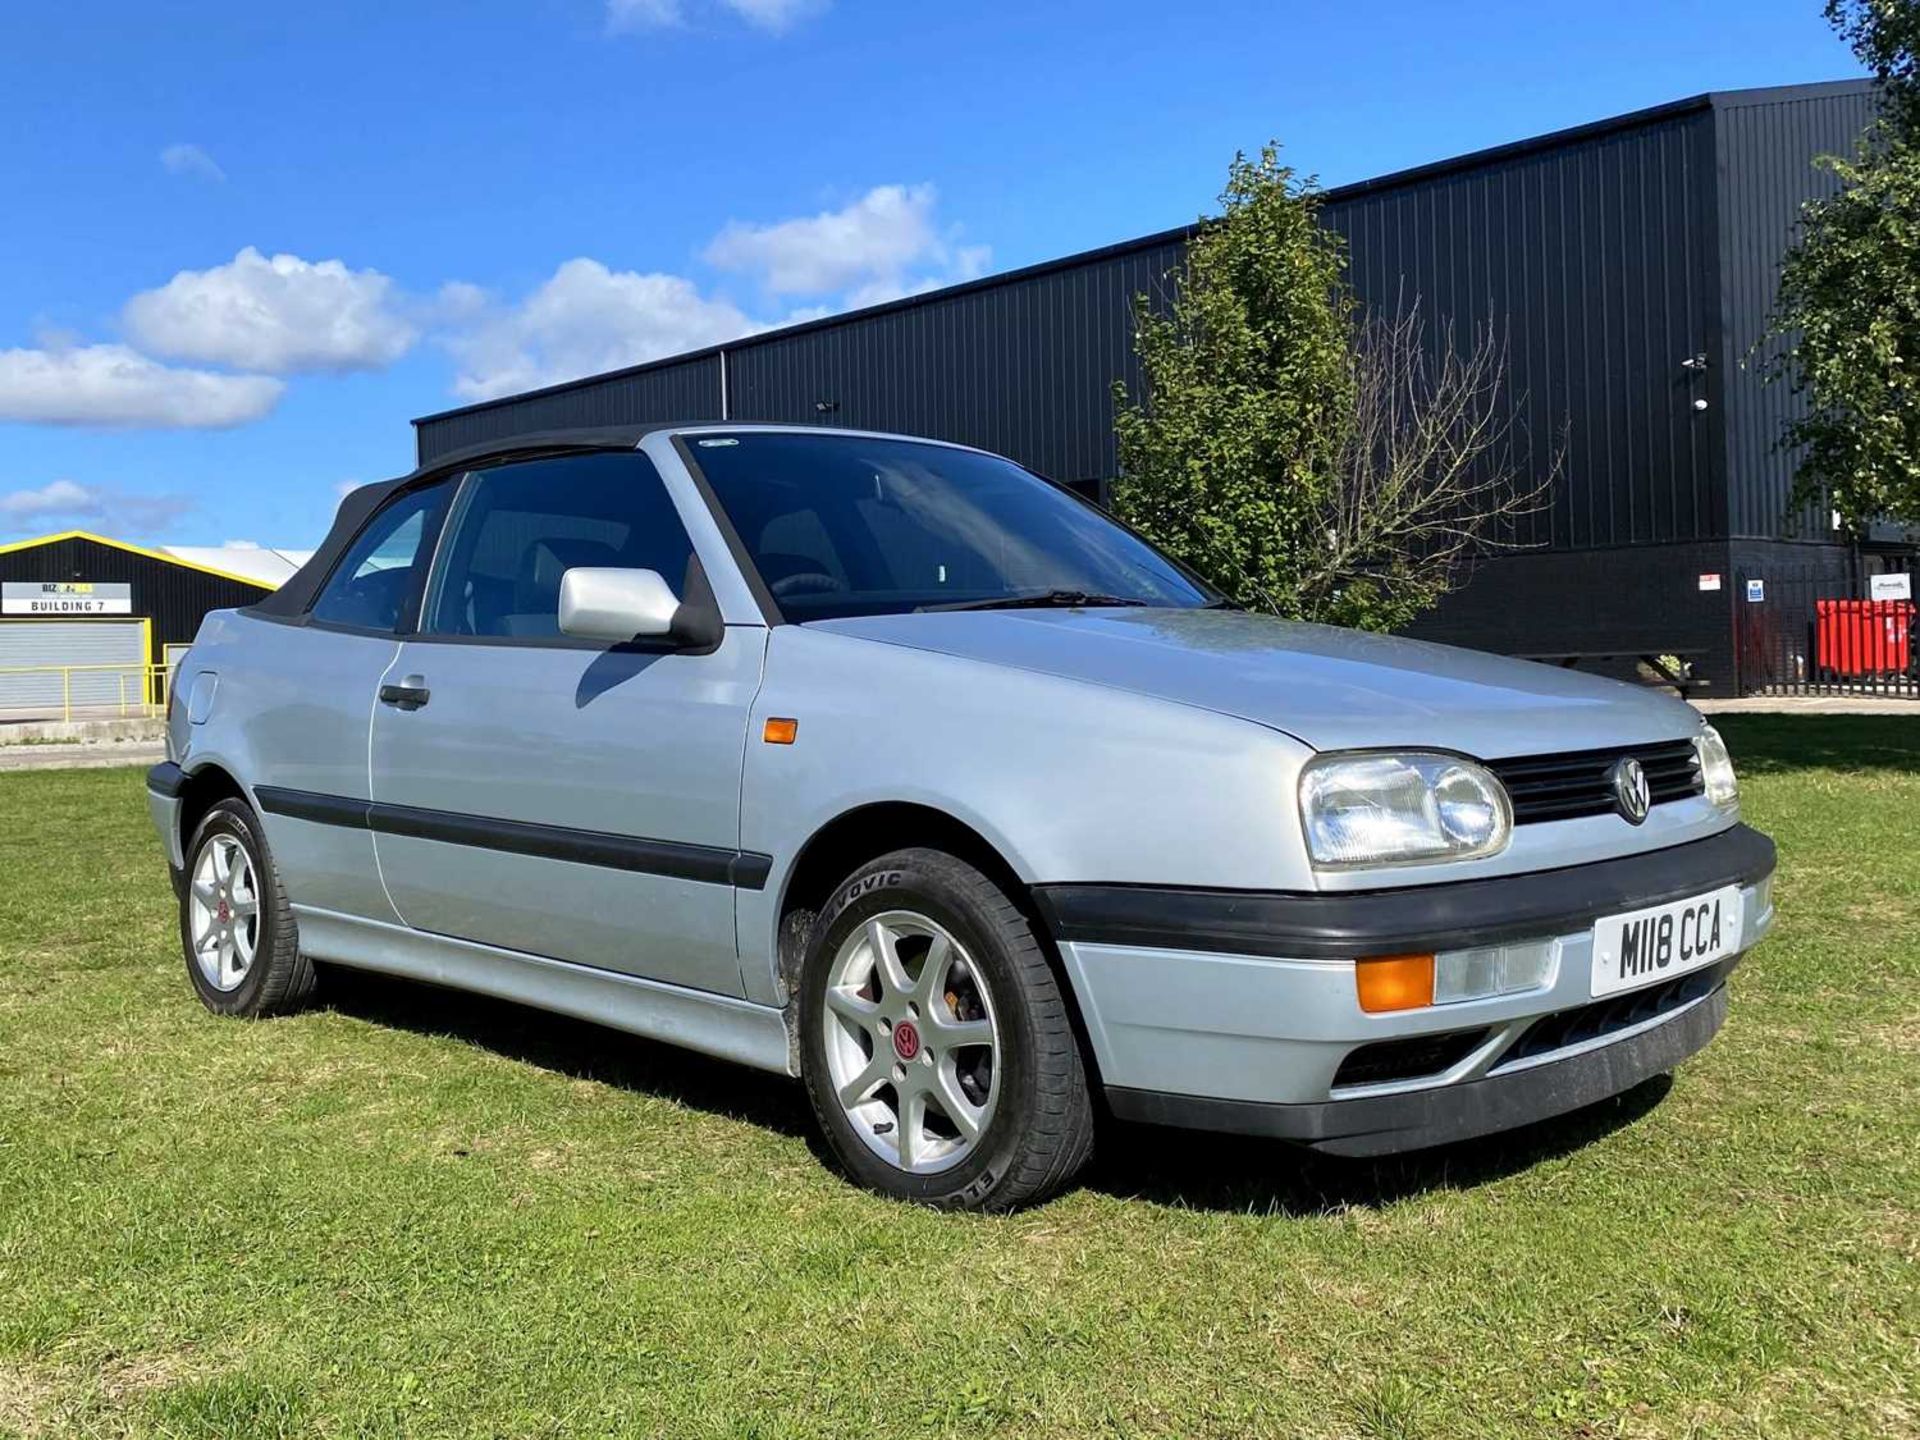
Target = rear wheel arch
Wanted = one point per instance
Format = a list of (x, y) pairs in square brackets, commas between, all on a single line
[(200, 791)]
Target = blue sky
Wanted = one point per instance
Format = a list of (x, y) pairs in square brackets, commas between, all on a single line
[(244, 246)]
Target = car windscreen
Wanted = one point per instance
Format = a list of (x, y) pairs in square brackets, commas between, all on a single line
[(843, 525)]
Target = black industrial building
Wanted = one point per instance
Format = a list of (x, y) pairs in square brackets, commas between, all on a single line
[(1630, 265), (86, 622)]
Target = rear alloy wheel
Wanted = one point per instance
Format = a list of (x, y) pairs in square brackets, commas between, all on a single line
[(938, 1050), (242, 948)]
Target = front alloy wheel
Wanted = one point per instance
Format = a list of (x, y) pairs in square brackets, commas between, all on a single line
[(910, 1041), (936, 1042)]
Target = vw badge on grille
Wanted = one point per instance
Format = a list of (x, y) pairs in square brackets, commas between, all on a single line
[(1630, 791)]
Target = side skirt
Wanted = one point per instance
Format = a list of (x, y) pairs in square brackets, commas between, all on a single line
[(717, 1025)]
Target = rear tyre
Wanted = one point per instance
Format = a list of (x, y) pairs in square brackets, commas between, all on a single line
[(936, 1043), (242, 946)]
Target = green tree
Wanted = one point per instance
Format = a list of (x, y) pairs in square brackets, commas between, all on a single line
[(1248, 382), (1845, 334), (1310, 460)]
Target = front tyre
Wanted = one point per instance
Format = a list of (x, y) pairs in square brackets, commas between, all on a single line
[(242, 948), (935, 1040)]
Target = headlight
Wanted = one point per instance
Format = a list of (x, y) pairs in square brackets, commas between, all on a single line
[(1380, 809), (1716, 768)]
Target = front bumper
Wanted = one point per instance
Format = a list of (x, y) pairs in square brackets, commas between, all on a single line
[(1228, 1011), (1412, 1120)]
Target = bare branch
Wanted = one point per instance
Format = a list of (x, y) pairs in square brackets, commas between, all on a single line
[(1429, 480)]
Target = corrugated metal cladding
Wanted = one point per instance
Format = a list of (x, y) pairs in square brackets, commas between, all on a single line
[(1024, 367), (174, 597), (1622, 602), (1764, 145), (1605, 257), (1589, 261), (675, 390)]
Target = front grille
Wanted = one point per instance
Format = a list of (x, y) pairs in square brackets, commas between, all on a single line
[(1611, 1015), (1575, 783), (1412, 1058)]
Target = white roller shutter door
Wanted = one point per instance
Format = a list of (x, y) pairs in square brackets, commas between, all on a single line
[(121, 644)]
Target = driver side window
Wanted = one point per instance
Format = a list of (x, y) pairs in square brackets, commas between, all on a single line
[(519, 528)]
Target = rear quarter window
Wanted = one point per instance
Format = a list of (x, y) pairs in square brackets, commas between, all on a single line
[(371, 585)]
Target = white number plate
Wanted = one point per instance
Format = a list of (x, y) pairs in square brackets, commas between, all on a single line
[(1656, 944)]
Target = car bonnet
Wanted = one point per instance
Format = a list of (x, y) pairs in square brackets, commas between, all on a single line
[(1333, 689)]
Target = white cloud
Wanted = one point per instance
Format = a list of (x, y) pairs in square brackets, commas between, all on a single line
[(459, 302), (126, 513), (775, 15), (968, 262), (588, 318), (772, 15), (112, 385), (56, 497), (874, 238), (644, 14), (884, 245), (278, 315), (191, 160), (585, 319)]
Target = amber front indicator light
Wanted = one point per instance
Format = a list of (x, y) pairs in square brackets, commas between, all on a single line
[(781, 732), (1394, 982)]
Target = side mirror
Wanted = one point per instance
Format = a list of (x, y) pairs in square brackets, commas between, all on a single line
[(616, 605)]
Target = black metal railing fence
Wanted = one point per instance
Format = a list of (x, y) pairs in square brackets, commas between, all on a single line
[(1817, 630)]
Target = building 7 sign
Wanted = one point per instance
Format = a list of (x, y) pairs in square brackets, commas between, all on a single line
[(65, 597)]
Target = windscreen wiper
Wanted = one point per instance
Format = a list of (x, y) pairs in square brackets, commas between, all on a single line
[(1037, 600)]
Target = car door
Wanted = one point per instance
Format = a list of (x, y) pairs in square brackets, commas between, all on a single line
[(306, 690), (560, 797)]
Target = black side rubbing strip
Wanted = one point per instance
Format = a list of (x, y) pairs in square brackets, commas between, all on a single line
[(306, 805), (706, 863), (750, 870)]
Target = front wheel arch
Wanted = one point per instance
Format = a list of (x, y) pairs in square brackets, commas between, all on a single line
[(1017, 1148), (854, 837)]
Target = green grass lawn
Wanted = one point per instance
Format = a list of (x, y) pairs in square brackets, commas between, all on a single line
[(417, 1213)]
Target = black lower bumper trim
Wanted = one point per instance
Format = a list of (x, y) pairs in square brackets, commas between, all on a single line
[(1335, 925), (166, 779), (1389, 1124)]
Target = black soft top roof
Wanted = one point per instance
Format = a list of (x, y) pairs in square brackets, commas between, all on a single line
[(293, 597)]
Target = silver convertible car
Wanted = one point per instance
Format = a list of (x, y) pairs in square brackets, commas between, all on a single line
[(887, 764)]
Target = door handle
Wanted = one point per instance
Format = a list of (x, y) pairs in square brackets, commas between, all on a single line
[(408, 696)]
